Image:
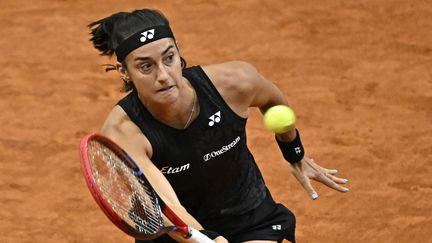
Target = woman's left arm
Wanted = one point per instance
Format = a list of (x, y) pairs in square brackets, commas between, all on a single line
[(242, 87)]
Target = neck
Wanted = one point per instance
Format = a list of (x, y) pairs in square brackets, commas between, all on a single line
[(179, 114)]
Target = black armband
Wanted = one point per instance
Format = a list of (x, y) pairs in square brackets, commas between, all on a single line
[(210, 234), (292, 151)]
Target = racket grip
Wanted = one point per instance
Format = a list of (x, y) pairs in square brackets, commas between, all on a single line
[(198, 237)]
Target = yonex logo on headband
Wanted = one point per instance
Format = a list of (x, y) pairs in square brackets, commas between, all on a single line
[(149, 34), (141, 38)]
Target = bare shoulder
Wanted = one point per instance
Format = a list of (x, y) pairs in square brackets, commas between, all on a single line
[(122, 130), (230, 73), (236, 81)]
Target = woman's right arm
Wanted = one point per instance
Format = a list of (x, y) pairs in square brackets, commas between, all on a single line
[(127, 135)]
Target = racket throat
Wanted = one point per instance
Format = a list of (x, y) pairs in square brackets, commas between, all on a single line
[(184, 231)]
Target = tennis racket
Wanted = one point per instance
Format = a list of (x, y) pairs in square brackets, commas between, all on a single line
[(125, 195)]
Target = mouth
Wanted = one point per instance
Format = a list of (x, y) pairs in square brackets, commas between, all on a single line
[(167, 88)]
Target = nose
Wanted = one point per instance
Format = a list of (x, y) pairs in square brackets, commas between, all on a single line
[(162, 74)]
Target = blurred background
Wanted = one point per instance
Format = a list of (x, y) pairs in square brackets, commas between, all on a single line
[(358, 74)]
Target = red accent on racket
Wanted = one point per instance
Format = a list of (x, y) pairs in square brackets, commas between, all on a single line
[(124, 194)]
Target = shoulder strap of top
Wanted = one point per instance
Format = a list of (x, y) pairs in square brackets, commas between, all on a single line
[(202, 82)]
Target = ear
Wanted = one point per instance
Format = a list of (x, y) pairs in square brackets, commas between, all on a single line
[(124, 74), (177, 44)]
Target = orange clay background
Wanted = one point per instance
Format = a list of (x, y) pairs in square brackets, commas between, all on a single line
[(358, 74)]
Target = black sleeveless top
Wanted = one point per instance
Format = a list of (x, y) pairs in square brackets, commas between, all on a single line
[(208, 164)]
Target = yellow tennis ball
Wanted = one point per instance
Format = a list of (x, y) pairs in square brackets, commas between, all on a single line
[(279, 118)]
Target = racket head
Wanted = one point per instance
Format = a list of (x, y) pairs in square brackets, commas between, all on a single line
[(119, 188)]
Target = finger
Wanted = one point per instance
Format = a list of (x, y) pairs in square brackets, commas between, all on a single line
[(305, 182), (326, 171), (220, 239), (337, 179), (331, 172), (313, 164), (323, 177), (330, 183)]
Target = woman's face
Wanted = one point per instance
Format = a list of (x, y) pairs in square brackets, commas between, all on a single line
[(155, 70)]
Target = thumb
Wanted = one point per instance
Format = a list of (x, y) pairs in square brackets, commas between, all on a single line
[(304, 181)]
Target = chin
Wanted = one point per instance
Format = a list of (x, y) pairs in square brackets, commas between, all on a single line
[(169, 96)]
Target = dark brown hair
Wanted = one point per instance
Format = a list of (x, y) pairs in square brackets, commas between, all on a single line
[(108, 33)]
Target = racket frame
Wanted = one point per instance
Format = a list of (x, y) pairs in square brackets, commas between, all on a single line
[(179, 225)]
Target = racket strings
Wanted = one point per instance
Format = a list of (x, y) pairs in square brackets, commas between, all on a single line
[(144, 217), (127, 194)]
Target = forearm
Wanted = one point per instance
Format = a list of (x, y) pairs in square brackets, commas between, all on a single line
[(273, 97), (167, 193), (287, 136), (184, 215)]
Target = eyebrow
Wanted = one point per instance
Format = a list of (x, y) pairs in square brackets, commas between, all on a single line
[(163, 53)]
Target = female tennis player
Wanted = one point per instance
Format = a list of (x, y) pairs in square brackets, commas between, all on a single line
[(186, 129)]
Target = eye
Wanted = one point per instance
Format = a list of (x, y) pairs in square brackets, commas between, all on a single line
[(169, 58), (145, 67)]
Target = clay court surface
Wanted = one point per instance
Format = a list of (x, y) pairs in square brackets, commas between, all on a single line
[(358, 73)]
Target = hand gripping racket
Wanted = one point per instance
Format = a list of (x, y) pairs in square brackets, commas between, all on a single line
[(125, 195)]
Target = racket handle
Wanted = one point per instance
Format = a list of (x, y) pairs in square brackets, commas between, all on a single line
[(198, 237)]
